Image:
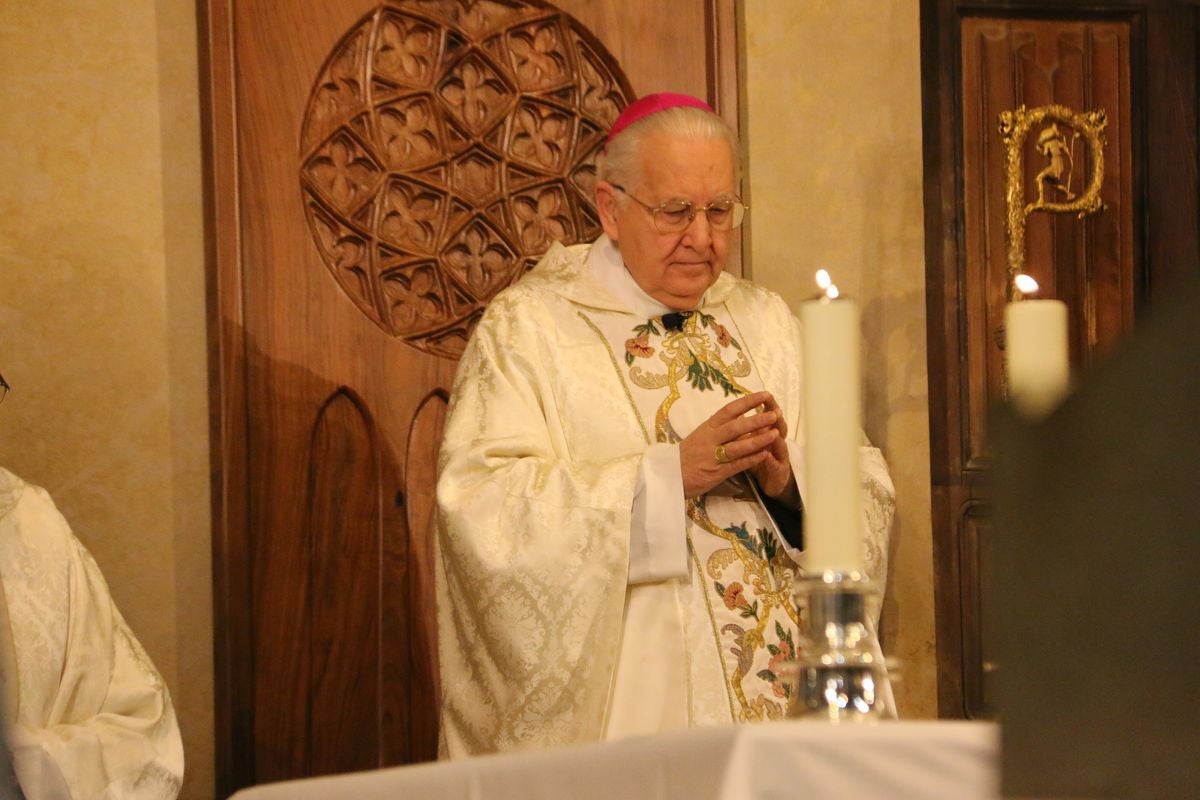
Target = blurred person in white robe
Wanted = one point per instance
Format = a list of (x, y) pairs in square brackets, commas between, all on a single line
[(87, 714), (620, 491)]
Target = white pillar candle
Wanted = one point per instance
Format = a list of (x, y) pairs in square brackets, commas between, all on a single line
[(1035, 355), (832, 432)]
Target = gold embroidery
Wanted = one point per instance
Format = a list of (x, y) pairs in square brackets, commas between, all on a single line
[(740, 368), (733, 691), (646, 379), (744, 353), (754, 618), (680, 351), (719, 561), (771, 589)]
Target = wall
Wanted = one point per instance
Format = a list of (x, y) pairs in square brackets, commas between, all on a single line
[(102, 329), (833, 109)]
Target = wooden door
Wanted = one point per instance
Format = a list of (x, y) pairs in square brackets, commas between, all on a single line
[(1137, 62), (377, 172)]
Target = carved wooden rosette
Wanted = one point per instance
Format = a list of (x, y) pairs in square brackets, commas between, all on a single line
[(1014, 128), (446, 145)]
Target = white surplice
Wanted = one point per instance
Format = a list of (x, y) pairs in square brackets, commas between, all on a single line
[(579, 597), (88, 715)]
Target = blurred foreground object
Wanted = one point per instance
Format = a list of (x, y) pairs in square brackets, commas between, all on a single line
[(1096, 552)]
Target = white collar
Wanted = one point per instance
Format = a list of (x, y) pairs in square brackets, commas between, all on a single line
[(606, 264)]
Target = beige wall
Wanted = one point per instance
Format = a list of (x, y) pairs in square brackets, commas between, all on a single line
[(102, 330), (833, 113)]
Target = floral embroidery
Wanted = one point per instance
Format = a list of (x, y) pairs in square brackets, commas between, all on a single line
[(782, 657), (747, 575), (733, 595), (762, 544), (724, 338), (639, 347), (761, 595), (702, 375), (689, 353), (735, 598)]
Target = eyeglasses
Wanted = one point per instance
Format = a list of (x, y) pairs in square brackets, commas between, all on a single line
[(674, 216)]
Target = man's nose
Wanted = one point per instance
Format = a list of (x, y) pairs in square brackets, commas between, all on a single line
[(698, 233)]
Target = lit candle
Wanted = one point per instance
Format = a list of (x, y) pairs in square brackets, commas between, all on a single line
[(1035, 351), (832, 431)]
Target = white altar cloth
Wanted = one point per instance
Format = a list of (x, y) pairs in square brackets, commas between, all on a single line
[(774, 761)]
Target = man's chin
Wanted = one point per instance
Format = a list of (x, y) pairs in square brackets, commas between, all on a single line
[(685, 295)]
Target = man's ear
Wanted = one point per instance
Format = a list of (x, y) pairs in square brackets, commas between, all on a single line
[(606, 204)]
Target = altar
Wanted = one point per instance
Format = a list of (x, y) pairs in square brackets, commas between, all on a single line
[(792, 760)]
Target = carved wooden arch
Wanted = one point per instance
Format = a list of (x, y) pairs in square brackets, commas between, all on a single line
[(446, 144)]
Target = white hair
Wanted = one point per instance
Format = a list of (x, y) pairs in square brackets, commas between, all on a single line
[(620, 163)]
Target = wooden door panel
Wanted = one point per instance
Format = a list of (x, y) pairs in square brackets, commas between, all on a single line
[(1009, 62), (418, 679), (342, 509), (1136, 61), (328, 419)]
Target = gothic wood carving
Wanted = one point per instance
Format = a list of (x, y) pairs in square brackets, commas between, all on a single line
[(445, 146)]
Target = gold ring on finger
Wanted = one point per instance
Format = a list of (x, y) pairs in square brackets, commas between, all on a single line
[(720, 455)]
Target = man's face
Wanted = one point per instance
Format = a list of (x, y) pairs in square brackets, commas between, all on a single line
[(673, 268)]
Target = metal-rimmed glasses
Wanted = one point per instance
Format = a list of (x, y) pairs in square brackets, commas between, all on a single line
[(674, 216)]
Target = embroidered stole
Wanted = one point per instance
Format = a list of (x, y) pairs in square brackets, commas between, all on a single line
[(736, 604)]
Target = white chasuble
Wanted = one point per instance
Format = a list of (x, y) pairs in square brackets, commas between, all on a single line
[(88, 714), (560, 395)]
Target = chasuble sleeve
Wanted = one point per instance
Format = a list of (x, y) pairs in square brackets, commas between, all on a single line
[(534, 495), (93, 716), (658, 538), (878, 510)]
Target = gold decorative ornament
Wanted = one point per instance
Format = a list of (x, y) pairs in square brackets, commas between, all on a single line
[(1059, 129)]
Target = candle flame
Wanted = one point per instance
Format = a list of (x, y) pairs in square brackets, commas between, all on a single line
[(826, 285), (1025, 284)]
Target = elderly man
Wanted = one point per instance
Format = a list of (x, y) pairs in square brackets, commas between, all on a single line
[(86, 713), (620, 481)]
